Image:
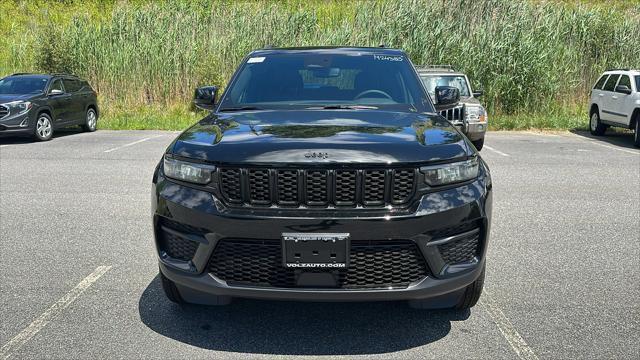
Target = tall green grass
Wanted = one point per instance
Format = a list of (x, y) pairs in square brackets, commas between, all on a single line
[(531, 57)]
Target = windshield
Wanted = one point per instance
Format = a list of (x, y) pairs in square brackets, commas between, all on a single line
[(638, 83), (322, 79), (460, 82), (22, 85)]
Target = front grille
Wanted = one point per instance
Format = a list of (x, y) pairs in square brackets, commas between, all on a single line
[(454, 114), (462, 249), (372, 264), (4, 111), (317, 187), (230, 180)]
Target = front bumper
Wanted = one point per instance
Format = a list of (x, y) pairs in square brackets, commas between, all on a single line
[(476, 131), (196, 209), (17, 124)]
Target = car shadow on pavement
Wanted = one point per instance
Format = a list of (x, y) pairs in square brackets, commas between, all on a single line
[(24, 139), (621, 138), (295, 328)]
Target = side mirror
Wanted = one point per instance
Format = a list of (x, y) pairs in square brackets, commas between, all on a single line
[(447, 97), (478, 93), (623, 89), (205, 97), (56, 92)]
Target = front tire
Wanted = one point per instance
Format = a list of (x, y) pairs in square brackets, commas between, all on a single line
[(596, 127), (471, 294), (170, 290), (478, 144), (636, 132), (43, 131), (91, 121)]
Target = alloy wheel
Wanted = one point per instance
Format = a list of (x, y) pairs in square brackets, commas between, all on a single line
[(594, 122), (91, 119), (43, 127)]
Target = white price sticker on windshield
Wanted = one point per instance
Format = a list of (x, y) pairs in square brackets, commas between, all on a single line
[(388, 57), (255, 60)]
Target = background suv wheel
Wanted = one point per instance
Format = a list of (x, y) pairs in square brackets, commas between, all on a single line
[(478, 144), (595, 126), (636, 134), (43, 130), (91, 121)]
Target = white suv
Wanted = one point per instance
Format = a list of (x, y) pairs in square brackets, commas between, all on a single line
[(615, 101)]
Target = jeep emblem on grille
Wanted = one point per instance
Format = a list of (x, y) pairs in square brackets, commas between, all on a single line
[(317, 155)]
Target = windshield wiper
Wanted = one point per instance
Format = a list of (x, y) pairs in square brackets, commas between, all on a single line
[(240, 108), (347, 107)]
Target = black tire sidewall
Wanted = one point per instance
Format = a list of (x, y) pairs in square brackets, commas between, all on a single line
[(478, 144), (636, 132)]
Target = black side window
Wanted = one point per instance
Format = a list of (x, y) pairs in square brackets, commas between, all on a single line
[(600, 82), (611, 83), (84, 86), (624, 80), (57, 85), (71, 85)]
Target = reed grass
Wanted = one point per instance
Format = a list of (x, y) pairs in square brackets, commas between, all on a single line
[(534, 59)]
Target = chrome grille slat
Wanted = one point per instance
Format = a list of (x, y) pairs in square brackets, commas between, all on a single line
[(454, 114)]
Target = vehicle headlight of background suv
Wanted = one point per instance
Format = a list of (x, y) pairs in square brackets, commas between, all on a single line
[(187, 171), (450, 173), (17, 107), (475, 114)]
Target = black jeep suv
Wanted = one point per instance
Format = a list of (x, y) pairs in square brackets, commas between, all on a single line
[(323, 174), (37, 105)]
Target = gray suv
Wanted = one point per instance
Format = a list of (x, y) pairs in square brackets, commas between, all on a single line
[(469, 116)]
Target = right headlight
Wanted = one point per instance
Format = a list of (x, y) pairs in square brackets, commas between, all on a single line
[(187, 171), (450, 173)]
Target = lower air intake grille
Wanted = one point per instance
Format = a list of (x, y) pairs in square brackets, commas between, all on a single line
[(177, 247), (462, 249), (373, 264)]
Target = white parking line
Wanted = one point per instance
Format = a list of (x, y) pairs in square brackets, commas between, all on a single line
[(51, 313), (496, 151), (507, 329), (613, 147), (133, 143)]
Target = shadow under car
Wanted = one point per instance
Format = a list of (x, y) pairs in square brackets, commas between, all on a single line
[(295, 328)]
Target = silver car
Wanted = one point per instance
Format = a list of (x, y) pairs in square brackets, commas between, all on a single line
[(469, 116)]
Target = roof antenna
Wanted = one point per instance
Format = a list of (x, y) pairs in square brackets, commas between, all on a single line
[(268, 46), (382, 45)]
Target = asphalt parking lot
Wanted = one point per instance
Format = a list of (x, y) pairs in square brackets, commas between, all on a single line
[(78, 274)]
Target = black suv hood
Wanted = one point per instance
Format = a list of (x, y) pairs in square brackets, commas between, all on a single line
[(5, 98), (321, 136)]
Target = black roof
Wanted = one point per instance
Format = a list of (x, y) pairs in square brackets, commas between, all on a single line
[(320, 49), (50, 75)]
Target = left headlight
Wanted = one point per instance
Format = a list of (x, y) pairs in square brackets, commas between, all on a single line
[(18, 107), (450, 173), (186, 171)]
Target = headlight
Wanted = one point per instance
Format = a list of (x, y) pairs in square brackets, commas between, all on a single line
[(18, 107), (450, 173), (185, 171), (475, 114)]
